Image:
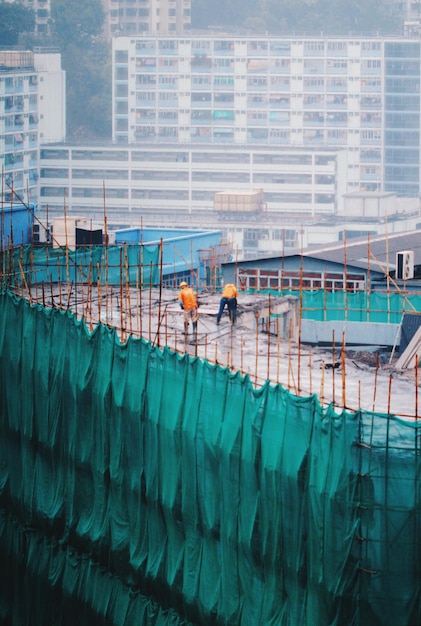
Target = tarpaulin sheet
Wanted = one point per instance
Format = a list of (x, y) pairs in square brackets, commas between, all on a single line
[(143, 487)]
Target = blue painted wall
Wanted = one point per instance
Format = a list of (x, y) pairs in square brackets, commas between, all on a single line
[(16, 223), (181, 248)]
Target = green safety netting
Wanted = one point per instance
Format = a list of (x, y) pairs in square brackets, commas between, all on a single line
[(321, 305), (143, 487), (134, 265)]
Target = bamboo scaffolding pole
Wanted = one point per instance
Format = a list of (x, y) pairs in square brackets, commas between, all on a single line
[(137, 316), (51, 293), (231, 340), (299, 362), (416, 386), (128, 290), (141, 304), (333, 367), (368, 279), (322, 384), (389, 393), (150, 301), (99, 295), (2, 224), (89, 298), (121, 298), (256, 362), (345, 285), (60, 303), (310, 364), (291, 371), (387, 270), (268, 344), (166, 328), (375, 382), (11, 215), (89, 305), (343, 372), (24, 283), (278, 349), (161, 244), (289, 354)]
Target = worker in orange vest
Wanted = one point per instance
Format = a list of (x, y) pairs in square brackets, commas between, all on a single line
[(188, 303), (229, 299)]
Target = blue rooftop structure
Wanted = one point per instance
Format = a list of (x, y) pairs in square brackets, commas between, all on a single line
[(185, 252), (16, 223)]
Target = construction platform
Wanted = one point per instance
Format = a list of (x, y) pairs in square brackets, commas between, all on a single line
[(264, 344)]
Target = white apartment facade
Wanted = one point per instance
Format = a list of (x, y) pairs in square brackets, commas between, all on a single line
[(361, 95), (19, 127), (170, 182), (32, 109)]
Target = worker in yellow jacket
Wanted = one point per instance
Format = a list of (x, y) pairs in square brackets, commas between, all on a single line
[(229, 299), (188, 303)]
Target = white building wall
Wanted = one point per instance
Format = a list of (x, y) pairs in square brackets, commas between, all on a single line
[(52, 97), (164, 179)]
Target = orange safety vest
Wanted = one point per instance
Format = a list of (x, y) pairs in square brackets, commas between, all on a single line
[(230, 291), (188, 298)]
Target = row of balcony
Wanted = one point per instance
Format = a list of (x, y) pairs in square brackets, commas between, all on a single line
[(222, 84), (275, 48), (214, 68), (253, 135)]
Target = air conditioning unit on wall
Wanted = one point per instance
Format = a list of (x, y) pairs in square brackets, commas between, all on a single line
[(405, 265)]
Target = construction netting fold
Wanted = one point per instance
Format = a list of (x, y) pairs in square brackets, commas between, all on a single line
[(141, 486), (135, 265)]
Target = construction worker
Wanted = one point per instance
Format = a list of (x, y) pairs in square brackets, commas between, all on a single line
[(229, 299), (188, 303)]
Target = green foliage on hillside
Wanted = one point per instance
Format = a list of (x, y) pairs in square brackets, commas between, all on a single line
[(77, 22), (286, 17), (15, 19), (77, 29)]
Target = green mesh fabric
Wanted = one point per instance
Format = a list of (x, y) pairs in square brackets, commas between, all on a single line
[(112, 265), (142, 487), (321, 305)]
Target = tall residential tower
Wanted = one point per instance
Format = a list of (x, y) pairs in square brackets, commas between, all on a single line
[(358, 94)]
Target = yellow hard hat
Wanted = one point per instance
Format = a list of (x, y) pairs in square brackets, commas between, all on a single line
[(183, 284)]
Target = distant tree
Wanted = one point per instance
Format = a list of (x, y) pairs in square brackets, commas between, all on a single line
[(76, 22), (284, 17), (15, 19), (77, 27), (88, 91), (226, 15)]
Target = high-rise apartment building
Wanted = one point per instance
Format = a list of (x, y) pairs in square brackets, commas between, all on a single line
[(358, 94), (136, 17), (32, 109), (19, 126), (405, 9)]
